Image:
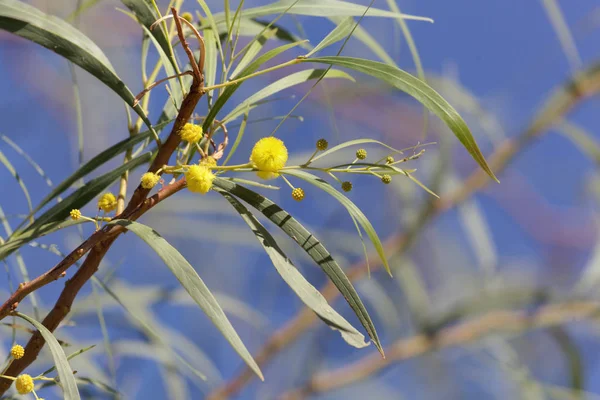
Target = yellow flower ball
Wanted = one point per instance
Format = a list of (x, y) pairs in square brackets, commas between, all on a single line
[(24, 384), (149, 180), (322, 144), (75, 214), (191, 133), (361, 154), (298, 194), (107, 202), (199, 178), (269, 155), (17, 351)]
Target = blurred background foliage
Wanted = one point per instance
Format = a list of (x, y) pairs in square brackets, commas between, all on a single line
[(494, 292)]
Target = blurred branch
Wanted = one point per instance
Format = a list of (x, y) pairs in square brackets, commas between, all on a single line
[(99, 243), (462, 334), (565, 97)]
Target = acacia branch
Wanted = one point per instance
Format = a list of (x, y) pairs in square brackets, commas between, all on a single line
[(462, 334), (99, 243), (564, 98)]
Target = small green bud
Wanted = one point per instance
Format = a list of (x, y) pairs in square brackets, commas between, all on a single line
[(386, 179), (361, 154), (346, 186)]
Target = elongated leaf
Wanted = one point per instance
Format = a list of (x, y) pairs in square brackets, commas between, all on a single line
[(7, 164), (229, 90), (62, 38), (420, 91), (65, 373), (305, 291), (193, 284), (146, 15), (364, 36), (250, 27), (27, 158), (320, 8), (341, 31), (210, 63), (87, 192), (252, 51), (350, 206), (288, 81), (354, 143), (311, 245)]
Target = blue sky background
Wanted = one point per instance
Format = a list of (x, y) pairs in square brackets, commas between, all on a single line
[(537, 228)]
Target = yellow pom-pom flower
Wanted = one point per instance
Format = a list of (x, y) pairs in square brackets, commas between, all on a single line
[(17, 351), (107, 202), (199, 178), (322, 144), (24, 384), (191, 133), (149, 180), (269, 155), (298, 194), (361, 154), (75, 214)]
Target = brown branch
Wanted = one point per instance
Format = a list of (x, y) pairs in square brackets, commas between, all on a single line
[(565, 97), (462, 334), (99, 243)]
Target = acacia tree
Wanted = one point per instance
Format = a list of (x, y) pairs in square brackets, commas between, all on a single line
[(189, 147)]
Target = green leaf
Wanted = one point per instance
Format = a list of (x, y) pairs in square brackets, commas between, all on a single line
[(210, 63), (193, 284), (60, 37), (252, 51), (87, 192), (420, 91), (354, 211), (305, 291), (364, 36), (229, 90), (319, 8), (65, 373), (293, 79), (4, 161), (311, 245), (354, 143), (72, 355), (146, 15), (341, 31)]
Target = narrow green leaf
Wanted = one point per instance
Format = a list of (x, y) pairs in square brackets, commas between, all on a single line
[(193, 284), (288, 81), (7, 164), (72, 355), (350, 206), (311, 245), (420, 91), (229, 90), (341, 31), (87, 192), (240, 135), (252, 51), (320, 8), (364, 36), (210, 63), (62, 38), (145, 13), (310, 296), (27, 158), (252, 183), (354, 143), (65, 373)]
